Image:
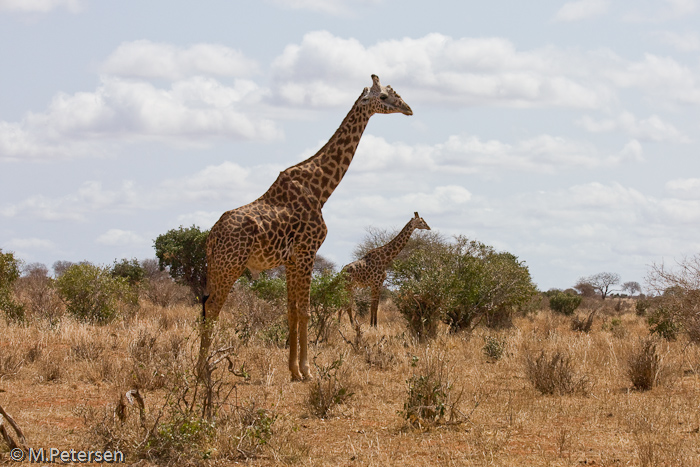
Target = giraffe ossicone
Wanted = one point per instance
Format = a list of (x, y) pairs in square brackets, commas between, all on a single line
[(285, 227), (370, 270)]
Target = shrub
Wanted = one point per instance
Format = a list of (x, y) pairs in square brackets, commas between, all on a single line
[(460, 283), (664, 322), (553, 374), (644, 365), (183, 252), (37, 292), (130, 270), (9, 273), (329, 389), (429, 400), (564, 303), (583, 325), (92, 294), (494, 348), (328, 296)]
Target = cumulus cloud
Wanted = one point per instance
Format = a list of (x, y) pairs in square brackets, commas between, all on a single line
[(118, 237), (227, 182), (469, 154), (146, 59), (333, 7), (192, 110), (649, 129), (685, 42), (40, 6), (437, 69), (32, 243), (581, 9), (651, 11)]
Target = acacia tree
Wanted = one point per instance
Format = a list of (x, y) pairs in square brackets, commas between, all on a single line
[(9, 273), (183, 252), (632, 287), (601, 282)]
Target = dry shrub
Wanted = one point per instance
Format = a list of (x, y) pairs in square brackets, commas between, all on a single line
[(256, 317), (36, 292), (164, 292), (50, 368), (494, 348), (153, 359), (644, 365), (430, 400), (10, 364), (582, 325), (553, 374), (381, 354), (331, 387)]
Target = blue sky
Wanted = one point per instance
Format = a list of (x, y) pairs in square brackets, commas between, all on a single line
[(562, 132)]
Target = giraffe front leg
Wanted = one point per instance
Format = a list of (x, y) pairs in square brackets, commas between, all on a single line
[(293, 321), (299, 286), (374, 306)]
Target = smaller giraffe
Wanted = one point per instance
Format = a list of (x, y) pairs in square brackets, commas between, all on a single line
[(370, 270)]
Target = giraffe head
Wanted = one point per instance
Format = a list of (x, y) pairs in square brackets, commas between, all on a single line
[(418, 223), (383, 99)]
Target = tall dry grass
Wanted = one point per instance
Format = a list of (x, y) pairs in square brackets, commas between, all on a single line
[(65, 384)]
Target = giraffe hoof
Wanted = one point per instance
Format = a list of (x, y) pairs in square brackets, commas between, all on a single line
[(297, 377)]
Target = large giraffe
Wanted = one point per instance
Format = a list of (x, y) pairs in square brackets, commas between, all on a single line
[(370, 270), (285, 226)]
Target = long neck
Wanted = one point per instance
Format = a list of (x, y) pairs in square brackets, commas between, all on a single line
[(392, 249), (322, 172)]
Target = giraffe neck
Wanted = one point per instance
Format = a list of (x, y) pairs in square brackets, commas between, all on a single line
[(322, 172), (392, 249)]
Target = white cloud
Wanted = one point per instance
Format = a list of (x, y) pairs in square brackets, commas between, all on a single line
[(333, 7), (191, 111), (649, 129), (437, 69), (40, 6), (581, 9), (118, 237), (650, 11), (685, 42), (227, 182), (684, 188), (30, 244), (146, 59)]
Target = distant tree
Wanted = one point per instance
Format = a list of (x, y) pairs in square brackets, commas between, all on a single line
[(183, 252), (59, 267), (632, 287), (585, 289), (9, 273), (564, 303), (131, 270), (601, 282)]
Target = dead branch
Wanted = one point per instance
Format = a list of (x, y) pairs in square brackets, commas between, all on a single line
[(6, 436)]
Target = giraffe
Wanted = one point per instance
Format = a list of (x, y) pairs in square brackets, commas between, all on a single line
[(370, 270), (285, 227)]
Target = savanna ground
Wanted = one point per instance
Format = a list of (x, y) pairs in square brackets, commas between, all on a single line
[(64, 384)]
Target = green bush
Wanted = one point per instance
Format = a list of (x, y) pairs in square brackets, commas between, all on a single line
[(564, 303), (130, 270), (328, 296), (460, 283), (664, 321), (183, 252), (9, 273), (92, 294)]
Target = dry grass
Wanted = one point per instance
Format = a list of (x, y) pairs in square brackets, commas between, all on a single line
[(63, 384)]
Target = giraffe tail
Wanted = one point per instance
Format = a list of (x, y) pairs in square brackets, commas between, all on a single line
[(204, 309)]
